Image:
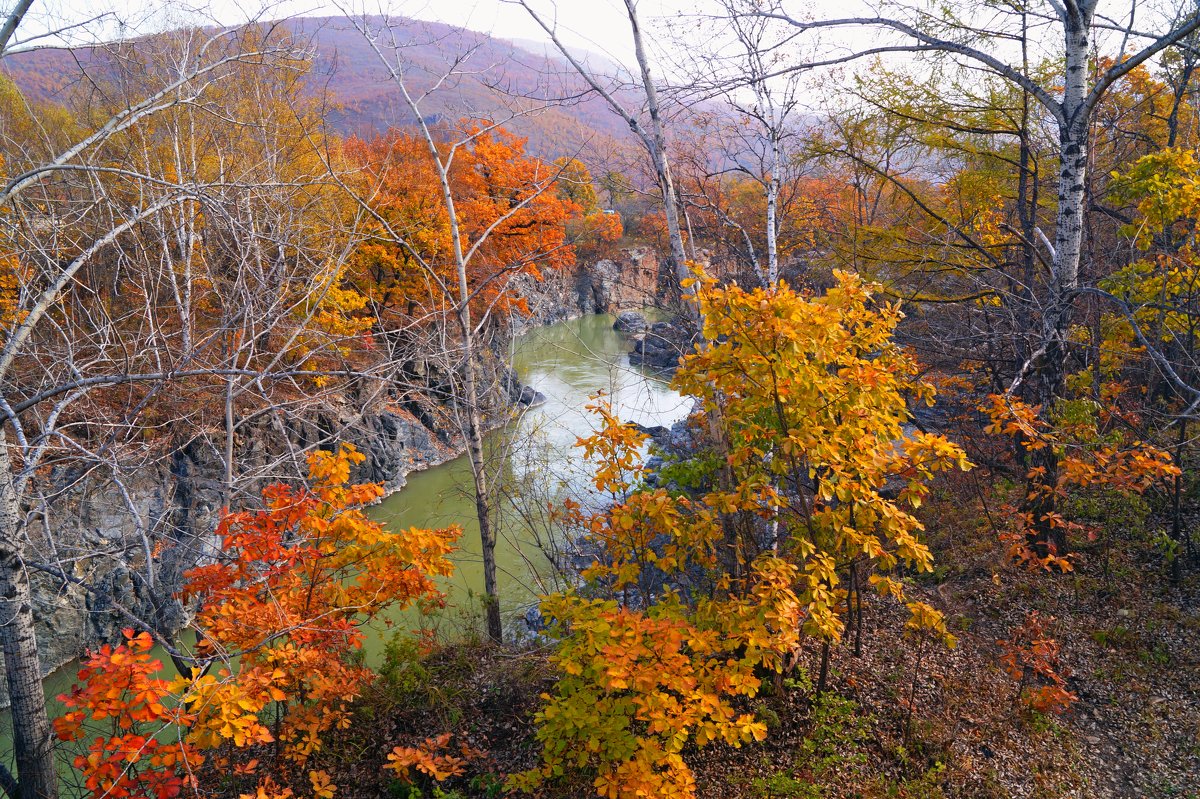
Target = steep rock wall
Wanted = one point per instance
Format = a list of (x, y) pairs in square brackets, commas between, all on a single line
[(629, 279), (165, 515)]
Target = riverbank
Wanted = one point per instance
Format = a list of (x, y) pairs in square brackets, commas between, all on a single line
[(536, 461), (567, 362), (400, 440), (173, 504)]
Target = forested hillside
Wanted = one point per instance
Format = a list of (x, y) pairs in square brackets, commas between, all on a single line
[(887, 487), (360, 97)]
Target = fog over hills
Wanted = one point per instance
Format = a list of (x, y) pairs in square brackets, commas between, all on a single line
[(499, 79)]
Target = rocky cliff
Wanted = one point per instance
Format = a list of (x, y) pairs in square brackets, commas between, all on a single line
[(630, 279), (119, 547)]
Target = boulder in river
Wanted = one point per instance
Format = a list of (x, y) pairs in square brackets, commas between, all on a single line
[(661, 346), (529, 397), (518, 392), (656, 432), (630, 322)]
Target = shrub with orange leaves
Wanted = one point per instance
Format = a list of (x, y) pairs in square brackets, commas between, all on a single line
[(430, 758), (296, 583), (280, 617), (1031, 655), (120, 694), (1084, 456)]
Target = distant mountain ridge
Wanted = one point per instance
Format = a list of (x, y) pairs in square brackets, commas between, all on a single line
[(504, 76)]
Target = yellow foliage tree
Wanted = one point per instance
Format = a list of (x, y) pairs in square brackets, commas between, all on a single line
[(811, 473)]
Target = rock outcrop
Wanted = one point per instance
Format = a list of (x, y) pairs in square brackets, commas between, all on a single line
[(661, 346), (629, 280), (630, 322)]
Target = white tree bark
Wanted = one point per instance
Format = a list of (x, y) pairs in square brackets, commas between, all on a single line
[(773, 166), (1072, 185), (32, 739), (654, 139)]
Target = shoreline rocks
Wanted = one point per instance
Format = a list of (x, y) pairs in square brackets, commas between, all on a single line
[(630, 279), (630, 322), (661, 346)]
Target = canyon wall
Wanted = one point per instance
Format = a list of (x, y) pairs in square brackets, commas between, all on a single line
[(111, 555)]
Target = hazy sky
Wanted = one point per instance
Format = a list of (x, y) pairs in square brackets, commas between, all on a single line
[(598, 25)]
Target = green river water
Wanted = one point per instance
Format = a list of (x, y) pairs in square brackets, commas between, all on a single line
[(568, 363), (536, 461)]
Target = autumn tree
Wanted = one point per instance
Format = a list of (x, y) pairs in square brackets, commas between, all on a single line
[(804, 500), (616, 186), (1069, 92), (486, 213), (747, 66), (158, 290), (592, 229), (282, 611), (1077, 24), (502, 204), (1150, 336), (650, 130), (575, 184), (241, 281), (728, 208)]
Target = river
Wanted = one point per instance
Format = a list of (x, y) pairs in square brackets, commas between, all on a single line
[(568, 362)]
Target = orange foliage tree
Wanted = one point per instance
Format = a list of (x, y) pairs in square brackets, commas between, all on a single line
[(281, 614), (591, 229), (120, 690), (511, 216), (1032, 658), (1092, 451)]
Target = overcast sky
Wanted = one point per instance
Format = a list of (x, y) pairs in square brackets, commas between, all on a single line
[(597, 25), (600, 26)]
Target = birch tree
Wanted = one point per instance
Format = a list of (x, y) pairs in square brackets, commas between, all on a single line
[(1070, 98), (472, 290), (649, 127), (748, 71), (105, 320)]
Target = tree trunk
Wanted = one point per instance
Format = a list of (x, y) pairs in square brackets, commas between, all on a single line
[(32, 741), (1176, 508), (772, 213), (469, 398), (658, 151), (1068, 233), (487, 535), (1064, 277), (823, 678)]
